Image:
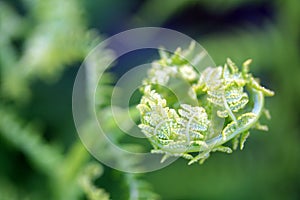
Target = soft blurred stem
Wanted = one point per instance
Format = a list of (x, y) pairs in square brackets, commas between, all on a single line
[(74, 161)]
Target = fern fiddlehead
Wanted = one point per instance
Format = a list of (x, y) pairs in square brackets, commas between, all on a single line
[(183, 130)]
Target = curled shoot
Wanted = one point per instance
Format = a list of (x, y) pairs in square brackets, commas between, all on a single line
[(188, 128)]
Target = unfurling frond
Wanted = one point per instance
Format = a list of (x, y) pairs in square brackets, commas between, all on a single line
[(180, 129)]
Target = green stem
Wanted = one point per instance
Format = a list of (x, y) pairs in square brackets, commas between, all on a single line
[(218, 140)]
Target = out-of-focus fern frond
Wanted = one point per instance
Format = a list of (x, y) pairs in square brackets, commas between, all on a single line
[(62, 171), (55, 39), (60, 37), (91, 172), (29, 141)]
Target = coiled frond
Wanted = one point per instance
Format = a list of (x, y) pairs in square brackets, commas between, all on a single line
[(184, 129)]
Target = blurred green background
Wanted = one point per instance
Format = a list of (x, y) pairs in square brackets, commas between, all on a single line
[(42, 44)]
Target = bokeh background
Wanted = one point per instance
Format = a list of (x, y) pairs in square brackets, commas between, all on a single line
[(42, 44)]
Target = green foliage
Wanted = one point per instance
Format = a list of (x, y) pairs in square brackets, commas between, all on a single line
[(186, 130), (38, 163)]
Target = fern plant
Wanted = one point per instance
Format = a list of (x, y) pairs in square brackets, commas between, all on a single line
[(229, 102)]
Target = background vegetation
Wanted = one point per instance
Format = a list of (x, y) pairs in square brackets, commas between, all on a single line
[(43, 42)]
